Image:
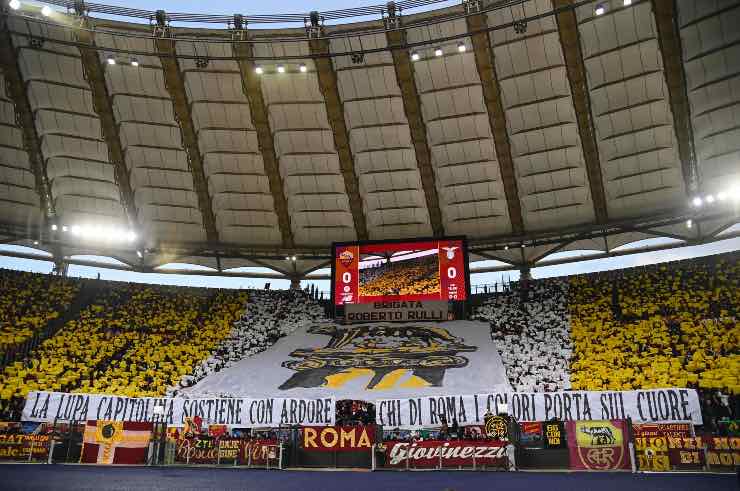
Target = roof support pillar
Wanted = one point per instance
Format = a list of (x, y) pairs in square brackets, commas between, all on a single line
[(16, 89), (261, 121), (670, 49), (175, 84), (335, 112), (570, 40), (412, 107), (484, 62)]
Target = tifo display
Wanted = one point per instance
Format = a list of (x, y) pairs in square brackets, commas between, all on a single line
[(400, 271), (559, 373)]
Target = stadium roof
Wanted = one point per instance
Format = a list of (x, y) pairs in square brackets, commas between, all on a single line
[(531, 122)]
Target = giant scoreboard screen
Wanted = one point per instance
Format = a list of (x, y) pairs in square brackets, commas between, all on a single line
[(381, 271)]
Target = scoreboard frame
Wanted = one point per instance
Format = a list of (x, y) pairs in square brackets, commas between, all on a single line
[(461, 238)]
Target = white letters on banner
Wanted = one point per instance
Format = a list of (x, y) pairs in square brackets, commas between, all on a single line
[(642, 406), (241, 412)]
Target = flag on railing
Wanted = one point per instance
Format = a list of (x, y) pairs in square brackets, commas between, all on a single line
[(115, 442)]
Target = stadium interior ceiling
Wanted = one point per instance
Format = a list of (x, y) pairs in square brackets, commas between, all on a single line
[(530, 126)]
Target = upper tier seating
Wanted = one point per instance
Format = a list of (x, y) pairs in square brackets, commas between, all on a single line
[(29, 301)]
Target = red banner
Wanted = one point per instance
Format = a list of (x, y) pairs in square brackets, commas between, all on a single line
[(337, 438), (723, 453), (115, 442), (426, 454), (598, 445), (666, 447), (19, 447), (200, 450)]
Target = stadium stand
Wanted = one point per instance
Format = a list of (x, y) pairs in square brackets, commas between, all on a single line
[(28, 302), (671, 324), (133, 339), (532, 335), (408, 277)]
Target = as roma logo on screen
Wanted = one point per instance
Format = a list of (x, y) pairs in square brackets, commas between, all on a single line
[(346, 258), (377, 350)]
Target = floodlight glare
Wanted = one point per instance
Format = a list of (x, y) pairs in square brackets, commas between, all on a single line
[(721, 196), (438, 52), (258, 70), (600, 10), (302, 67), (294, 258), (627, 3), (697, 201), (46, 11), (138, 253), (75, 230), (414, 56), (131, 236), (54, 227), (14, 4), (689, 223), (281, 69), (709, 198), (461, 47), (134, 62), (111, 60)]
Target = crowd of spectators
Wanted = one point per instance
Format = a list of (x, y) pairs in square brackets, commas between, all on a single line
[(268, 316), (28, 302), (664, 325), (133, 339), (531, 330), (408, 277)]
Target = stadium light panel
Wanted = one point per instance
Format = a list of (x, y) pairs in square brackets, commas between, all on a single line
[(438, 52), (259, 70), (506, 248), (46, 11), (689, 223), (134, 62), (415, 56), (302, 67), (14, 4), (461, 47), (709, 199), (111, 60), (287, 258), (54, 227), (627, 3), (294, 258), (600, 10), (697, 201), (281, 69)]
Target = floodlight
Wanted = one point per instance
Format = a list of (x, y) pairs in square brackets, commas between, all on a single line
[(46, 11)]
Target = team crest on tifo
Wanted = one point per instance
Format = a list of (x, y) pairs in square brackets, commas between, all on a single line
[(427, 350)]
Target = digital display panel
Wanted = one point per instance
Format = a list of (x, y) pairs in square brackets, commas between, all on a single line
[(428, 269)]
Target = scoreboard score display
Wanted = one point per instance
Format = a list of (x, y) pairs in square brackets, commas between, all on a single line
[(398, 271)]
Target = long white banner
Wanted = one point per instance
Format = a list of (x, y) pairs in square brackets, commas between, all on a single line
[(240, 412), (642, 406)]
